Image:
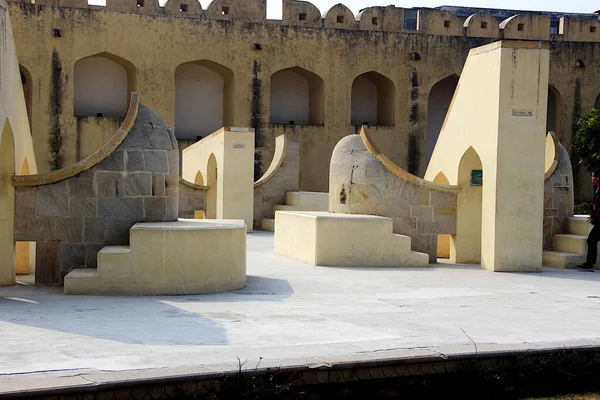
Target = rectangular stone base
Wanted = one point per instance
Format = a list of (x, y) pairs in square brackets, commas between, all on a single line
[(322, 238)]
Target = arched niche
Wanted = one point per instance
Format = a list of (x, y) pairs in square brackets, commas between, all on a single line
[(199, 179), (204, 98), (212, 182), (27, 84), (443, 240), (553, 111), (373, 100), (103, 84), (597, 103), (296, 97), (465, 246), (438, 103), (7, 205)]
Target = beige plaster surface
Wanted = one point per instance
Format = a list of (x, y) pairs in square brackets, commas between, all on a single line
[(16, 144), (231, 185), (183, 257), (333, 239), (507, 83)]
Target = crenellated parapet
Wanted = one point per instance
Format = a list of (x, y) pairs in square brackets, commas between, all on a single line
[(523, 26)]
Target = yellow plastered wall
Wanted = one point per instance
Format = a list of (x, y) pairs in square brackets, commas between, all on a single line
[(15, 142), (498, 114), (225, 160)]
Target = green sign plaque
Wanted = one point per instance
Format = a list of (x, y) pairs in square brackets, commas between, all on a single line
[(476, 177)]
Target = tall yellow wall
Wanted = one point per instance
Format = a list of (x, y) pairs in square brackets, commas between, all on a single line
[(498, 113), (15, 142), (156, 43), (233, 151)]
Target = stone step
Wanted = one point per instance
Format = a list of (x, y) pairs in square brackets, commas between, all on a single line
[(285, 207), (81, 281), (308, 201), (115, 263), (569, 243), (578, 225), (267, 224), (558, 259)]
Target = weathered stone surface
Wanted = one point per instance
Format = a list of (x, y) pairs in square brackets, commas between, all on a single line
[(155, 208), (158, 185), (82, 207), (443, 199), (47, 268), (117, 231), (173, 162), (138, 184), (68, 229), (82, 185), (93, 230), (172, 209), (52, 200), (135, 161), (25, 198), (119, 207), (35, 229), (114, 162), (91, 254), (156, 161), (71, 255), (110, 184), (172, 186), (422, 213)]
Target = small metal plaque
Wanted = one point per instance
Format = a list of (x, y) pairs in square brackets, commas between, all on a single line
[(476, 177), (239, 146), (522, 113)]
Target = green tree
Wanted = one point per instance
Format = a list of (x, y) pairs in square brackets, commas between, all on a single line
[(585, 146)]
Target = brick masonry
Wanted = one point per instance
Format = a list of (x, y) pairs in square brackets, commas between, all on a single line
[(360, 184), (73, 219)]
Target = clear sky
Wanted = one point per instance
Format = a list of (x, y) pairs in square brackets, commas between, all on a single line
[(578, 6)]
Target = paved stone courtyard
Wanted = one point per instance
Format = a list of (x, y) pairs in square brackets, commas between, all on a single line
[(295, 313)]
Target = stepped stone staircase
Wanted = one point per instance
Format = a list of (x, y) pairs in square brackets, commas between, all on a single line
[(298, 201), (166, 258), (569, 249)]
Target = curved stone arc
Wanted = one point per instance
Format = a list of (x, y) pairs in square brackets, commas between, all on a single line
[(552, 149), (89, 162), (292, 9), (278, 157), (192, 185), (400, 172)]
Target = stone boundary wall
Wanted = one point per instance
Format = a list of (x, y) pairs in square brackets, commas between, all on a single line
[(192, 198), (364, 181), (71, 219), (558, 190), (389, 18), (283, 175), (459, 371)]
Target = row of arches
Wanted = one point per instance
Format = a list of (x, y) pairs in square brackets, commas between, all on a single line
[(205, 92)]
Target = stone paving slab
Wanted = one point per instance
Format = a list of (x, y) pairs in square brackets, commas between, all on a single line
[(292, 314)]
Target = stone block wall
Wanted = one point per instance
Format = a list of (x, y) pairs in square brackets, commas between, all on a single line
[(72, 219), (558, 197), (282, 176), (360, 183), (192, 198)]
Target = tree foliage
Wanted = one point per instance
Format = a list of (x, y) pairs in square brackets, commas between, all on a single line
[(585, 146)]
